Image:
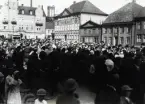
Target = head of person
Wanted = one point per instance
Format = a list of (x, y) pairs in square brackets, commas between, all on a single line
[(126, 91), (109, 64), (70, 86), (16, 75), (41, 93)]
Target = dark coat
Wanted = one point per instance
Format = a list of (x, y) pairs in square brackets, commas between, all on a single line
[(67, 99), (123, 100)]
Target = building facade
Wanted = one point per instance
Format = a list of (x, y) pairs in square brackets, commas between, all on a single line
[(49, 27), (140, 27), (67, 24), (25, 21), (120, 27), (90, 32)]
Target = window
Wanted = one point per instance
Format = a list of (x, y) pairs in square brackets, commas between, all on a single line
[(31, 12), (76, 20), (48, 31), (126, 30), (22, 11), (115, 30), (143, 25), (128, 40), (105, 40), (90, 31), (139, 38), (104, 30), (138, 25), (121, 30), (22, 27), (109, 30), (31, 27), (4, 27), (122, 40), (110, 40), (143, 38), (27, 28), (85, 31)]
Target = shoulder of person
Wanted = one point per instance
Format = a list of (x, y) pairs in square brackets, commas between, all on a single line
[(20, 81), (44, 102)]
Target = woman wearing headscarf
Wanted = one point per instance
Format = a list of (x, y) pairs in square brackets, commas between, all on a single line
[(13, 88)]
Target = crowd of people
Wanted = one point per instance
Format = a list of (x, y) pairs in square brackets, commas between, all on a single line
[(47, 64)]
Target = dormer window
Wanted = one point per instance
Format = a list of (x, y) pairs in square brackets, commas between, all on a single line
[(30, 12)]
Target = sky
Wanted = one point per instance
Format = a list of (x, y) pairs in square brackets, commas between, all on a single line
[(107, 6)]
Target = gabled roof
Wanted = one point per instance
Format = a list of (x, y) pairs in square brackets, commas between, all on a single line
[(90, 24), (125, 14), (84, 7), (27, 10)]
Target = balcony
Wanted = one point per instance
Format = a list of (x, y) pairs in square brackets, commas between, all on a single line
[(5, 22), (39, 24), (14, 22)]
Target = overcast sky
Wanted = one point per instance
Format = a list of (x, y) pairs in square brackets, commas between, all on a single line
[(108, 6)]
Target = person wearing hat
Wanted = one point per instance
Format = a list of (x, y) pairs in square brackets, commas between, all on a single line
[(126, 93), (2, 85), (41, 93), (69, 97)]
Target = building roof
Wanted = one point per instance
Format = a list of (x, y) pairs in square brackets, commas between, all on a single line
[(124, 14), (27, 10), (141, 13), (49, 23), (84, 7), (90, 24)]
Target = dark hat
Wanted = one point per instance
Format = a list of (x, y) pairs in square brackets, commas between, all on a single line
[(132, 47), (70, 85), (142, 43), (126, 46), (41, 92), (126, 88)]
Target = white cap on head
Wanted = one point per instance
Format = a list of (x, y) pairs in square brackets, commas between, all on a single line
[(109, 62)]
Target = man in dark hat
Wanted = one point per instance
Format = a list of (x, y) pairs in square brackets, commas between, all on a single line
[(126, 93), (69, 96)]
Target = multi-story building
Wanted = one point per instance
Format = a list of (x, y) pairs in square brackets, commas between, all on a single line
[(90, 32), (120, 27), (25, 21), (67, 24), (140, 27)]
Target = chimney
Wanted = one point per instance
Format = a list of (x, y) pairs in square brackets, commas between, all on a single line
[(74, 2), (31, 3)]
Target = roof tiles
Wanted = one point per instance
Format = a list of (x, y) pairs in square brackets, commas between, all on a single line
[(124, 14)]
